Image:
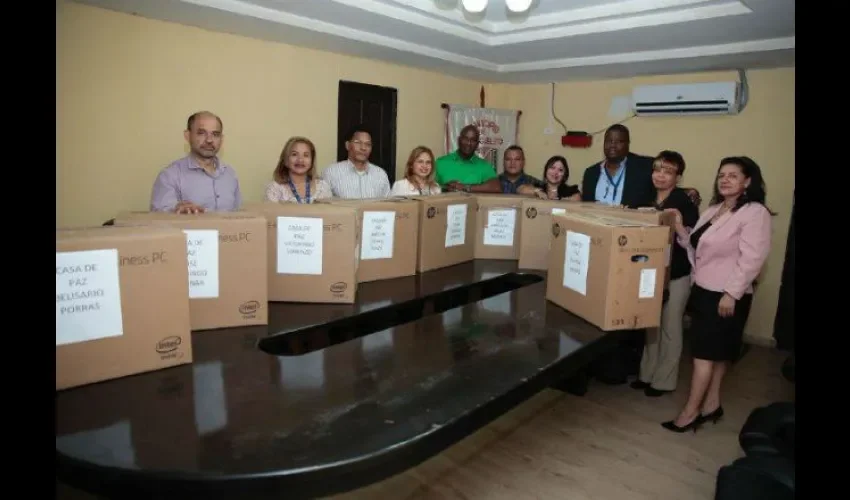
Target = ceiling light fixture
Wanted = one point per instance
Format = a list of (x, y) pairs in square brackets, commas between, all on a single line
[(518, 5), (474, 6)]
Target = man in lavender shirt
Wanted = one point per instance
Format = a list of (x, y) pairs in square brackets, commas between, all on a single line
[(199, 182)]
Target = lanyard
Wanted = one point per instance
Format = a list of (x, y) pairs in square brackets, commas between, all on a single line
[(611, 183), (295, 191)]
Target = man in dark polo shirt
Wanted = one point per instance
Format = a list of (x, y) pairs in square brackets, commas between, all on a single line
[(463, 170), (514, 175)]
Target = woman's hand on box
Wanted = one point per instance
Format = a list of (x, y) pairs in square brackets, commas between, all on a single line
[(678, 225)]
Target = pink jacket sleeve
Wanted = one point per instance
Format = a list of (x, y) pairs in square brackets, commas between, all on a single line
[(754, 244)]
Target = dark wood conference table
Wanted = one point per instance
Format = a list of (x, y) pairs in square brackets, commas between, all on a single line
[(327, 398)]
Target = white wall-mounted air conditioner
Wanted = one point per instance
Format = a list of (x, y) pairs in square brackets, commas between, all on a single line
[(716, 98)]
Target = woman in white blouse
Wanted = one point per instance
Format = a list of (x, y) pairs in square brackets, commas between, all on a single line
[(295, 180), (418, 176)]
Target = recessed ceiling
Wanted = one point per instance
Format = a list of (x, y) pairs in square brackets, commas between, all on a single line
[(554, 40)]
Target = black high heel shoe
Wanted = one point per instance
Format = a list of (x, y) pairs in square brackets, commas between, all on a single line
[(670, 425), (713, 416)]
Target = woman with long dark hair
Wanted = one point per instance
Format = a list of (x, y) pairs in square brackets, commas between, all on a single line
[(556, 172), (727, 249)]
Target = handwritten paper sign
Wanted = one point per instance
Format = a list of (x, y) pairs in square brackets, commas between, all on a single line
[(299, 245), (378, 235), (202, 254), (500, 227), (456, 225), (88, 296), (576, 260)]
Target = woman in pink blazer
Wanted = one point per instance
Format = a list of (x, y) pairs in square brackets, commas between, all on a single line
[(727, 249)]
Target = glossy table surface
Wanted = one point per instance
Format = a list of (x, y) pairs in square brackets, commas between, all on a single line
[(303, 405)]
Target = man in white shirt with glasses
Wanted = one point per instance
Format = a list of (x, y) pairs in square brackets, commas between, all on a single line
[(356, 177)]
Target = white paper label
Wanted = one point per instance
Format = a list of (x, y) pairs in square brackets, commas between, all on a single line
[(88, 296), (576, 259), (646, 288), (202, 254), (499, 230), (299, 245), (378, 234), (456, 227)]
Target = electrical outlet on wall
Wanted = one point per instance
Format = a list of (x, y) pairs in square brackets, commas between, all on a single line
[(548, 131)]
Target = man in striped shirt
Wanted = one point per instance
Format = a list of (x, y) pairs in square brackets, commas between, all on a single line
[(356, 177)]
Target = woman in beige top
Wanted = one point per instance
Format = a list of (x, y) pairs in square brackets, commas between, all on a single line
[(295, 180), (418, 176)]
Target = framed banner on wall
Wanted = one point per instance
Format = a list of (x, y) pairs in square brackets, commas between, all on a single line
[(498, 129)]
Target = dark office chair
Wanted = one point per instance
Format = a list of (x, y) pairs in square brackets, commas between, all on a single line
[(756, 478), (767, 470)]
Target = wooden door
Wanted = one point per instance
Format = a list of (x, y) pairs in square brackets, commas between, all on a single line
[(374, 107)]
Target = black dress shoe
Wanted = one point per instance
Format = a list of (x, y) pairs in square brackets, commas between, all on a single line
[(654, 393), (713, 416), (639, 384), (670, 425)]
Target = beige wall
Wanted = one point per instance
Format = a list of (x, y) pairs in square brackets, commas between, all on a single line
[(126, 84)]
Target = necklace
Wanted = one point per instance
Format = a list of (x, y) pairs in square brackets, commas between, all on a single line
[(419, 188), (295, 191)]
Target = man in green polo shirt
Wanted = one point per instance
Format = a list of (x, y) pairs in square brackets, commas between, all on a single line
[(463, 170)]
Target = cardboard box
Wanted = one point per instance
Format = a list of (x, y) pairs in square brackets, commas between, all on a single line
[(227, 265), (122, 303), (649, 215), (313, 251), (389, 237), (607, 270), (497, 226), (535, 236), (446, 230)]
